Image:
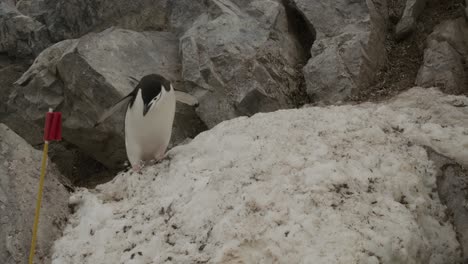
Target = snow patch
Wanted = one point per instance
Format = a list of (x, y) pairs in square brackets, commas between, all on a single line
[(347, 184)]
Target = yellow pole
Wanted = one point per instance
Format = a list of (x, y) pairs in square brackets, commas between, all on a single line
[(38, 203)]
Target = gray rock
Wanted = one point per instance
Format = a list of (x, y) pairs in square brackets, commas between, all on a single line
[(32, 8), (8, 75), (466, 9), (187, 125), (349, 49), (255, 101), (455, 32), (10, 2), (21, 35), (19, 179), (442, 68), (183, 14), (30, 26), (231, 50), (73, 18), (407, 23), (82, 77), (452, 185), (444, 57)]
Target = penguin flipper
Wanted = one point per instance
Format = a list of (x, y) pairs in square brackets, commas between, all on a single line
[(112, 109), (186, 98)]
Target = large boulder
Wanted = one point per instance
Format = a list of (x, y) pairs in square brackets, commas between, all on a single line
[(82, 77), (33, 8), (20, 35), (9, 73), (19, 181), (73, 18), (349, 48), (442, 67), (30, 26), (445, 57), (238, 57), (348, 184)]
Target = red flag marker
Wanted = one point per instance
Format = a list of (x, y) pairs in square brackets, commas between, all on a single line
[(52, 131), (53, 126)]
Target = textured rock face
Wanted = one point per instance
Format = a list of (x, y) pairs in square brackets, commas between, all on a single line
[(30, 26), (232, 52), (407, 23), (442, 67), (32, 8), (19, 178), (20, 35), (237, 57), (8, 75), (82, 77), (349, 49), (444, 57), (74, 18)]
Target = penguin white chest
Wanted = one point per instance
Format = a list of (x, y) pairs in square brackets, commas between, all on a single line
[(147, 136)]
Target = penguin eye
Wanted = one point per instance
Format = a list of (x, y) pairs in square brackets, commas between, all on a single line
[(155, 99)]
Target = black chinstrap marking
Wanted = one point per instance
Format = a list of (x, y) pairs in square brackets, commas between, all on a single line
[(150, 86), (149, 92)]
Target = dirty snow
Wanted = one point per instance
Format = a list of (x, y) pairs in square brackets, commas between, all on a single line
[(347, 184)]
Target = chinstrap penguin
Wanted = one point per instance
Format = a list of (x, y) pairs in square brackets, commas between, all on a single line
[(148, 119)]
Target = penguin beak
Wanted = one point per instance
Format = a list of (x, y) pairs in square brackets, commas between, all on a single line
[(146, 108)]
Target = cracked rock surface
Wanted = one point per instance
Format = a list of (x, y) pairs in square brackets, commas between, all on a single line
[(19, 178)]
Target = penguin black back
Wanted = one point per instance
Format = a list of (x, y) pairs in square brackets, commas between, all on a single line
[(150, 86)]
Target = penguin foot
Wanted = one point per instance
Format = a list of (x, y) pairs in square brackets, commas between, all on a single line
[(161, 154), (160, 157), (137, 168)]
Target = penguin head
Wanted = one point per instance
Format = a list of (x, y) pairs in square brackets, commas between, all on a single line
[(151, 89)]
